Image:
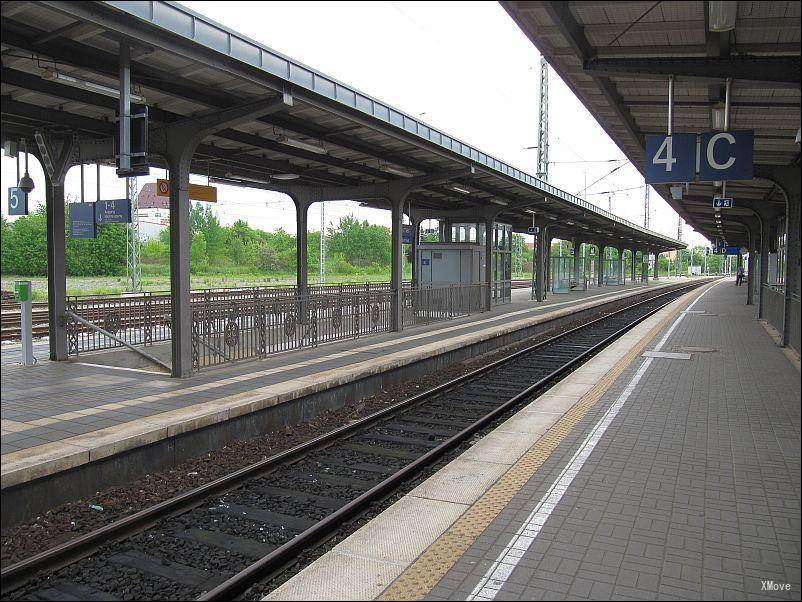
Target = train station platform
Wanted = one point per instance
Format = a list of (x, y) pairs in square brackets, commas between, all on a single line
[(667, 466), (58, 417)]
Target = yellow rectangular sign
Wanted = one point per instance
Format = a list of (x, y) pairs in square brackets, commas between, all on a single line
[(197, 192)]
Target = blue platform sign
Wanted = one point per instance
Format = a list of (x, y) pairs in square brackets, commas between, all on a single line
[(719, 251), (533, 229), (670, 159), (722, 202), (116, 211), (17, 201), (727, 156), (406, 234), (733, 250), (82, 220)]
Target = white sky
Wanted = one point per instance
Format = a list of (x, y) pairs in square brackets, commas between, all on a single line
[(463, 67)]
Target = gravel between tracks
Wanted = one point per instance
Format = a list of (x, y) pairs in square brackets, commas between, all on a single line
[(69, 520)]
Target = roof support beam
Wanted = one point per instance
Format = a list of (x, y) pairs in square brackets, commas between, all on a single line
[(776, 70)]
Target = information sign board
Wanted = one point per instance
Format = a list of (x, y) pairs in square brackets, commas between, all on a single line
[(115, 211), (82, 220)]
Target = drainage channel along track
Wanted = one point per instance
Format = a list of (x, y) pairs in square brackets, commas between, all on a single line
[(216, 541)]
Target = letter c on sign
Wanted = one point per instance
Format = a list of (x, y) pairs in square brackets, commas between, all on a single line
[(711, 159)]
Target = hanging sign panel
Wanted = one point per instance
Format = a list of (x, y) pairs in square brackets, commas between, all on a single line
[(533, 229), (733, 250), (82, 220), (197, 192), (727, 156), (720, 156), (406, 234), (670, 159), (722, 203), (17, 201), (115, 211)]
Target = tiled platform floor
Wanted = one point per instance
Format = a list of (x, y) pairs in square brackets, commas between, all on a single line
[(693, 491)]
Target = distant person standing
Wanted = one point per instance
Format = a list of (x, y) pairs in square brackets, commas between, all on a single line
[(739, 276)]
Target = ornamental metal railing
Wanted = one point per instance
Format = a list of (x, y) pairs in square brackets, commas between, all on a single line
[(425, 305), (145, 318), (774, 305), (236, 329), (141, 319)]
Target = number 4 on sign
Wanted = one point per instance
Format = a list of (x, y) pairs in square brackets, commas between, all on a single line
[(669, 160)]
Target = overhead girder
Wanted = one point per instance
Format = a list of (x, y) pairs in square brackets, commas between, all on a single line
[(783, 71)]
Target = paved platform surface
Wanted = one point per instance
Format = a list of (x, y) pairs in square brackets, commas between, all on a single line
[(57, 414), (675, 476)]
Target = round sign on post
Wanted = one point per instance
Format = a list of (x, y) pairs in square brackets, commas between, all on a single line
[(164, 187)]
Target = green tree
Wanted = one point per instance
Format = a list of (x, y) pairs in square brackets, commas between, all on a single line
[(360, 243), (25, 245)]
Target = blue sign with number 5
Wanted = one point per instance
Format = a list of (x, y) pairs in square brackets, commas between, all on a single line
[(670, 159)]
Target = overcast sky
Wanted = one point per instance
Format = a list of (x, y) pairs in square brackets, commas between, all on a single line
[(463, 67)]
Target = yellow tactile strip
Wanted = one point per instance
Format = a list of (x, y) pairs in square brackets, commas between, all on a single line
[(423, 574)]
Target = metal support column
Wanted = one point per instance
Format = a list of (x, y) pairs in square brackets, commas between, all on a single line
[(541, 263), (397, 272), (750, 269), (577, 246), (56, 267), (301, 247), (600, 265), (489, 225), (644, 267), (180, 309), (620, 264), (655, 273), (765, 237), (414, 250), (632, 266), (792, 259)]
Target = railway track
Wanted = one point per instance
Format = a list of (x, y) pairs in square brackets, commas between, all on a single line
[(216, 541)]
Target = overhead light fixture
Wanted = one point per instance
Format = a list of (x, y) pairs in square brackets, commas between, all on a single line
[(532, 211), (499, 202), (284, 176), (462, 190), (396, 171), (569, 222), (312, 148), (722, 15), (717, 116), (246, 178), (52, 75)]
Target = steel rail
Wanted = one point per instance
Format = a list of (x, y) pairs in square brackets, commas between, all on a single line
[(17, 574)]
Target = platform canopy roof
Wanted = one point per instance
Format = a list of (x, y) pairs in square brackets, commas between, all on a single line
[(617, 56), (184, 64)]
